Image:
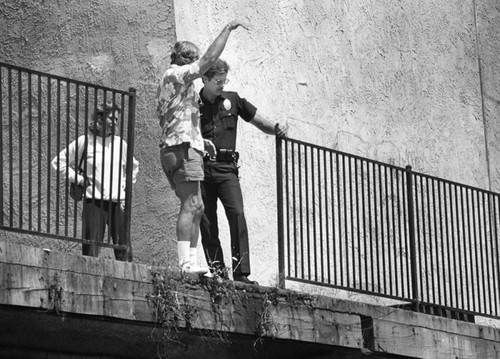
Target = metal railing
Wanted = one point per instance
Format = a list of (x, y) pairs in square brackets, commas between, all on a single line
[(356, 224), (41, 115)]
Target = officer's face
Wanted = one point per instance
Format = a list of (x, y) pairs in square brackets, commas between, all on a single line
[(216, 84)]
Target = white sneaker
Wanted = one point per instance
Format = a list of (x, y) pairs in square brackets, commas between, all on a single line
[(193, 269)]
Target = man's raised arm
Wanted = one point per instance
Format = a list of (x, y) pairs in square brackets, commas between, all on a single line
[(215, 49)]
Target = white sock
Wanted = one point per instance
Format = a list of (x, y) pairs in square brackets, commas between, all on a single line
[(183, 252), (193, 255)]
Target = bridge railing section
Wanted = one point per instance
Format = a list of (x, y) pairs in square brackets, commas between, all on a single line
[(356, 224), (41, 115)]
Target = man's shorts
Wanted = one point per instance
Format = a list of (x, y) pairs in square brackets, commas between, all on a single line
[(181, 163)]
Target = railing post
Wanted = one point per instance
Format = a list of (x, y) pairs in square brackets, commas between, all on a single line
[(281, 236), (411, 229), (130, 158)]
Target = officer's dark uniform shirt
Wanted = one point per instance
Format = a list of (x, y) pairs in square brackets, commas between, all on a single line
[(219, 120)]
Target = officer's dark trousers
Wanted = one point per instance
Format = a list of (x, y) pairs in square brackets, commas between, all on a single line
[(221, 182), (96, 215)]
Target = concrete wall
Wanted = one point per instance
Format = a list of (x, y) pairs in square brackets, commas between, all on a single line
[(116, 43), (393, 81)]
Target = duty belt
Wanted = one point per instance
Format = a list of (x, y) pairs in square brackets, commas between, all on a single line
[(224, 155)]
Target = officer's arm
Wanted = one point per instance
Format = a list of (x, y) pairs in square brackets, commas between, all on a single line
[(269, 127)]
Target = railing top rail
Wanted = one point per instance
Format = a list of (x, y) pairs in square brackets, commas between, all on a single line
[(62, 78), (345, 154), (392, 166)]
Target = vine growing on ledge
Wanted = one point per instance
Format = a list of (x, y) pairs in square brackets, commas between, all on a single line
[(169, 309)]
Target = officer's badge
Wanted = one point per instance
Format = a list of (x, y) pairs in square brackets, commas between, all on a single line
[(226, 104)]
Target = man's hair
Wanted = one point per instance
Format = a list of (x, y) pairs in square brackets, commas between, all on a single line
[(184, 52), (220, 67), (100, 114)]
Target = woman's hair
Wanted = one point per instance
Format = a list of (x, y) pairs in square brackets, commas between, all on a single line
[(220, 67), (100, 114), (184, 52)]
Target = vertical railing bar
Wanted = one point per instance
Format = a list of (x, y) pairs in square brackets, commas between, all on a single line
[(441, 286), (68, 122), (350, 237), (346, 229), (428, 242), (425, 233), (370, 220), (313, 213), (473, 243), (294, 185), (405, 232), (363, 206), (58, 150), (487, 293), (120, 167), (467, 254), (326, 238), (412, 233), (328, 262), (20, 144), (30, 154), (480, 265), (11, 150), (384, 215), (308, 234), (39, 184), (431, 205), (338, 266), (467, 251), (103, 167), (381, 254), (334, 227), (279, 192), (484, 241), (394, 289), (301, 212), (400, 232), (474, 287), (287, 206), (358, 228), (495, 242), (77, 126), (450, 252), (492, 225), (320, 200), (388, 266), (417, 243), (112, 162), (49, 144), (456, 249), (461, 215)]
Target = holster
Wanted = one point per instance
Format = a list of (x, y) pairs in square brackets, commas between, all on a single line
[(227, 155)]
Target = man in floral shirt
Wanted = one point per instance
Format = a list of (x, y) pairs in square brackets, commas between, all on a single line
[(182, 146), (219, 117)]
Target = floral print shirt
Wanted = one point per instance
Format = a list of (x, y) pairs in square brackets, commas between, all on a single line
[(178, 107)]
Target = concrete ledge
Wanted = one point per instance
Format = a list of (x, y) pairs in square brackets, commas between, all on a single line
[(76, 294)]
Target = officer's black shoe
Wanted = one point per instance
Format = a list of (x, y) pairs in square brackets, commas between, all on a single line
[(243, 279)]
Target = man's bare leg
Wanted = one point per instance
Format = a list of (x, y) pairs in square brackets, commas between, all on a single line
[(188, 225)]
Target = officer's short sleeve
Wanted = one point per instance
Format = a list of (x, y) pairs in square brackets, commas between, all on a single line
[(246, 110)]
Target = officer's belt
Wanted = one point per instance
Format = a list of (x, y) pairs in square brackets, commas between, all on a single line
[(224, 155)]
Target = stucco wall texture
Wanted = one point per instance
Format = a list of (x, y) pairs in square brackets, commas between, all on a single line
[(405, 82), (395, 81)]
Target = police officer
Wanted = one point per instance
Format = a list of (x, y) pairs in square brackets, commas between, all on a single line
[(219, 112)]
